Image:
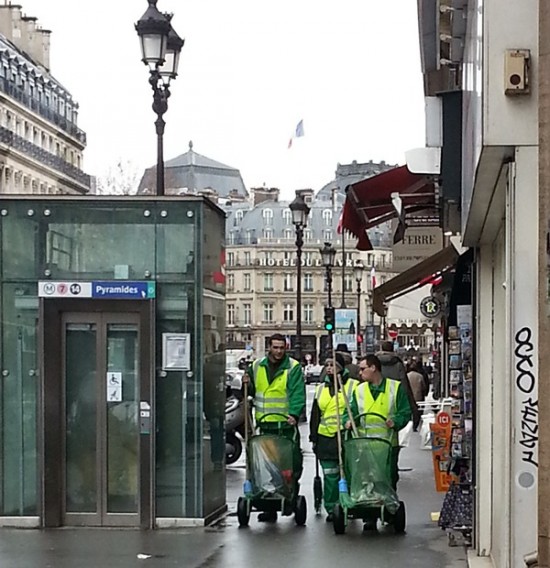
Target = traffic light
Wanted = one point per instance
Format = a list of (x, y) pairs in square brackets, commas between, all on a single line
[(329, 319)]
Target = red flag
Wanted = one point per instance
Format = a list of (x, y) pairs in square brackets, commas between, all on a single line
[(219, 275), (340, 226)]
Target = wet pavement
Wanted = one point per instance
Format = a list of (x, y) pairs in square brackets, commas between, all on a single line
[(268, 545)]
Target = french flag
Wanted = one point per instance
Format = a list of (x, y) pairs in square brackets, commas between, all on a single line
[(373, 277), (298, 132)]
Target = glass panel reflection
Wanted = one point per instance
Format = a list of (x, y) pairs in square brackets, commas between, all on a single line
[(122, 420), (81, 419)]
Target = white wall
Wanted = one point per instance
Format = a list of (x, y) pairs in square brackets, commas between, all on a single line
[(523, 352), (508, 120), (484, 401), (500, 384)]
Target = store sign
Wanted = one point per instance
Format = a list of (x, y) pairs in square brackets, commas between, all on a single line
[(418, 244), (430, 307), (108, 290)]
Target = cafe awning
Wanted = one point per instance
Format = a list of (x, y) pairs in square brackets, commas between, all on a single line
[(369, 202), (415, 277)]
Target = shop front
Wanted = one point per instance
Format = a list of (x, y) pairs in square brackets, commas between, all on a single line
[(112, 362)]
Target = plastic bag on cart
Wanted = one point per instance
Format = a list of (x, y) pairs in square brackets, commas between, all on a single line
[(270, 461), (405, 434), (368, 471)]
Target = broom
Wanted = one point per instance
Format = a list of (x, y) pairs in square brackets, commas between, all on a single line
[(247, 485), (345, 500), (317, 482)]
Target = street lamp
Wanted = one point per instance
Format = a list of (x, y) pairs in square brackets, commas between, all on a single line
[(328, 256), (358, 273), (160, 50), (300, 211)]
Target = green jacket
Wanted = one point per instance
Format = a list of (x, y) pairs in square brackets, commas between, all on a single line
[(402, 407), (296, 387)]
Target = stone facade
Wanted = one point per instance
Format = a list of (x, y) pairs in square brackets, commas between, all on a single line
[(41, 146)]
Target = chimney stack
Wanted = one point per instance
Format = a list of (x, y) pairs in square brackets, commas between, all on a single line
[(25, 34)]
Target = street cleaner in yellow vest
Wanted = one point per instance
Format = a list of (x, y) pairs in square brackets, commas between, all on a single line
[(324, 423), (276, 383), (385, 397)]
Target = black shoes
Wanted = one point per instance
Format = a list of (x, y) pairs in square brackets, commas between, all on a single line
[(267, 517), (329, 518)]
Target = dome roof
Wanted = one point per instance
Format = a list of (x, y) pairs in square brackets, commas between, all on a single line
[(194, 173)]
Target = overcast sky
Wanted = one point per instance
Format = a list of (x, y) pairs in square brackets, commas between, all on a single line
[(249, 71)]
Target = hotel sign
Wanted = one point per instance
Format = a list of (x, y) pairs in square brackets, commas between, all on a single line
[(418, 244)]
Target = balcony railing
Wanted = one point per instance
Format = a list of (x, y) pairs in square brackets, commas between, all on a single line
[(39, 154), (40, 108)]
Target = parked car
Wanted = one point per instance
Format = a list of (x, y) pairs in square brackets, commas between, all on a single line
[(312, 373)]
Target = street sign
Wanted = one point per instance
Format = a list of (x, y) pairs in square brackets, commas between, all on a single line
[(393, 333), (67, 289), (123, 290), (108, 290)]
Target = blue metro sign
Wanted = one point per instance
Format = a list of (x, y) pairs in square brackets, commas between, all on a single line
[(123, 290)]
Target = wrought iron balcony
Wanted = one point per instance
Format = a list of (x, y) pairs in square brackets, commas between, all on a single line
[(43, 110), (39, 154)]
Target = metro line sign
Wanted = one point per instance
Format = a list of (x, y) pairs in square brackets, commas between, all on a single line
[(98, 289)]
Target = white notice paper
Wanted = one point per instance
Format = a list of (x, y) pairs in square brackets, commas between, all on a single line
[(176, 351)]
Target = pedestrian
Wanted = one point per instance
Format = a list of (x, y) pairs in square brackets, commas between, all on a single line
[(326, 418), (277, 386), (394, 368), (419, 386), (384, 396), (351, 367)]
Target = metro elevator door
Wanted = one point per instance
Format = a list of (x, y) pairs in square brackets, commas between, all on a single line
[(101, 384)]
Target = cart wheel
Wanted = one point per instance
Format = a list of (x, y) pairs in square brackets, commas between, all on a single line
[(318, 493), (400, 519), (300, 511), (243, 512), (339, 519)]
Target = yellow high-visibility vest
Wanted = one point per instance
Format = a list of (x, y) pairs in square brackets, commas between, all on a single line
[(329, 422), (270, 398), (385, 404)]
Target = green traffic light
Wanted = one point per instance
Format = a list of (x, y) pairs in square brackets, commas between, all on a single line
[(328, 326)]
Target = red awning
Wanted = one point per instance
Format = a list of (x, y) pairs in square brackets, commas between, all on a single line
[(369, 203)]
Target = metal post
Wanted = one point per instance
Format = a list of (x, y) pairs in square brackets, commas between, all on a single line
[(343, 305), (328, 277), (161, 94), (299, 244), (359, 333)]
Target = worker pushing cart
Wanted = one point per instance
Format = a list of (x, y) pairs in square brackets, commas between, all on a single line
[(381, 408), (327, 416), (274, 457)]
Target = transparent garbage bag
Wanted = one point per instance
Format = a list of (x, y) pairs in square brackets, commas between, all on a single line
[(367, 463), (270, 462)]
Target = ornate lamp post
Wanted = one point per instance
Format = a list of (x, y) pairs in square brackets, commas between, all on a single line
[(160, 49), (328, 256), (358, 273), (300, 211)]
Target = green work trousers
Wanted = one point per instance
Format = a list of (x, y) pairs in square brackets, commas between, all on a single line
[(331, 476)]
